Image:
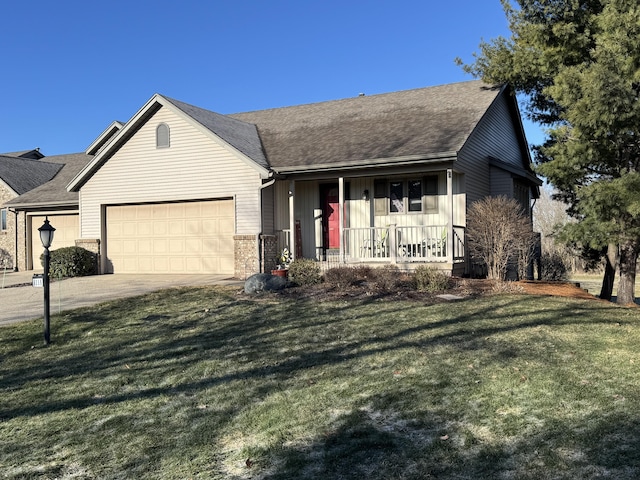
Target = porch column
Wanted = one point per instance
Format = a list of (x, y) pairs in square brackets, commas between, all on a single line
[(341, 215), (17, 251), (292, 219), (450, 221)]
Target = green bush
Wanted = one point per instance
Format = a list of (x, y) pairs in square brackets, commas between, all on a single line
[(71, 262), (429, 279), (304, 271), (553, 267)]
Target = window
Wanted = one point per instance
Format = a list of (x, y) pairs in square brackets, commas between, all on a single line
[(415, 195), (162, 136), (380, 197), (396, 195), (431, 194), (406, 196), (3, 219)]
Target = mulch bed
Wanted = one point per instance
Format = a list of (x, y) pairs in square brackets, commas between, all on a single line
[(462, 287), (558, 289)]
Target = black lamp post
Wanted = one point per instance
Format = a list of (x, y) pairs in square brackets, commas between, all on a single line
[(46, 237)]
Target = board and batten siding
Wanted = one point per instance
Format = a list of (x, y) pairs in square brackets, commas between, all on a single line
[(194, 167), (494, 136)]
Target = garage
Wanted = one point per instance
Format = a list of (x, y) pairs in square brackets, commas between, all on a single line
[(176, 238), (67, 231)]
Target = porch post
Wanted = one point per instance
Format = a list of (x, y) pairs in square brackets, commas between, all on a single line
[(16, 254), (292, 220), (341, 215), (450, 253), (317, 217)]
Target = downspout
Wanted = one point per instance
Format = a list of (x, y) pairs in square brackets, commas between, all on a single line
[(15, 255), (259, 240), (292, 219)]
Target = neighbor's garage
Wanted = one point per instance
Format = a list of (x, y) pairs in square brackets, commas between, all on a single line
[(67, 231), (184, 237)]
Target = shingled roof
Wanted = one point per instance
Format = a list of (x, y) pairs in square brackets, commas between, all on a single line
[(54, 192), (241, 135), (23, 174), (424, 122)]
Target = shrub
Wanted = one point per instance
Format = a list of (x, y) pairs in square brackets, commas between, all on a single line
[(553, 267), (342, 277), (499, 233), (386, 278), (429, 279), (304, 271), (71, 262)]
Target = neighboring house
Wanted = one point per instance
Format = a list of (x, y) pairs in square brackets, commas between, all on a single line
[(371, 179), (49, 199), (19, 173)]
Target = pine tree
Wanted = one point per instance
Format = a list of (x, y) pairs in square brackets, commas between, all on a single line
[(578, 64)]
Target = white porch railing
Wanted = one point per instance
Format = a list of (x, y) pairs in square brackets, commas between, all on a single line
[(404, 244), (392, 243)]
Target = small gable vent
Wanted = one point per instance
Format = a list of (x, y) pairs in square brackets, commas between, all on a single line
[(162, 136)]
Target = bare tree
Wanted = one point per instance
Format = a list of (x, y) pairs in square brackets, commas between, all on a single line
[(499, 235)]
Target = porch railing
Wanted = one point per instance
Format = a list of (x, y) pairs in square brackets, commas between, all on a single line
[(401, 244), (404, 244)]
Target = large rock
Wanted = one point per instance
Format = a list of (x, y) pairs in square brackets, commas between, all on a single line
[(264, 282)]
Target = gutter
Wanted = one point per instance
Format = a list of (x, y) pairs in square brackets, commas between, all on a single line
[(375, 162)]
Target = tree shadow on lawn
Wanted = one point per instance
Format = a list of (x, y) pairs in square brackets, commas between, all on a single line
[(276, 342), (373, 444)]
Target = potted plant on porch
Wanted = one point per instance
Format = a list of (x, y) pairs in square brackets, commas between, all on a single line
[(283, 261)]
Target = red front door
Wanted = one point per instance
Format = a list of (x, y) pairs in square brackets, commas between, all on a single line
[(331, 216), (333, 220)]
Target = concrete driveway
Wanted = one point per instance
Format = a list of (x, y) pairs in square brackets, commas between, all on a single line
[(19, 302)]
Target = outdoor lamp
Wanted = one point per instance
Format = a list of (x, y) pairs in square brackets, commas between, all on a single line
[(46, 237), (46, 233), (365, 195)]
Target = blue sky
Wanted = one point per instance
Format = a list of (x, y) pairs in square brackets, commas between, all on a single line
[(73, 67)]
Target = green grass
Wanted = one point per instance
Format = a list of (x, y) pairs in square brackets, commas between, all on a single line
[(592, 282), (204, 383)]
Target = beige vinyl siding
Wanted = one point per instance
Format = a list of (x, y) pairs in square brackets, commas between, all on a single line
[(494, 136), (195, 167)]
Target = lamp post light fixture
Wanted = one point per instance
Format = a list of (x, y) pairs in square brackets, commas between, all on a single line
[(46, 237)]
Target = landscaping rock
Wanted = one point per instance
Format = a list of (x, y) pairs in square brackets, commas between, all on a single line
[(264, 282)]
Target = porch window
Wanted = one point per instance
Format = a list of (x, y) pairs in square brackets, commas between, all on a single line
[(415, 195), (162, 136), (431, 194), (3, 219), (396, 195)]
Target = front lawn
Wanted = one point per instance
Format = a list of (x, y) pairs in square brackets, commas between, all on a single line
[(206, 383)]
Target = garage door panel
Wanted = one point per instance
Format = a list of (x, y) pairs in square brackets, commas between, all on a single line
[(67, 232), (193, 237)]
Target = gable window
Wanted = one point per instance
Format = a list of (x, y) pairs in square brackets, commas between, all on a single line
[(3, 219), (162, 136)]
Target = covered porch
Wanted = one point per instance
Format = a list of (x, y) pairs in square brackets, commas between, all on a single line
[(404, 219)]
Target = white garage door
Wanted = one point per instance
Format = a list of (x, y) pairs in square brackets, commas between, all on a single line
[(67, 231), (186, 237)]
